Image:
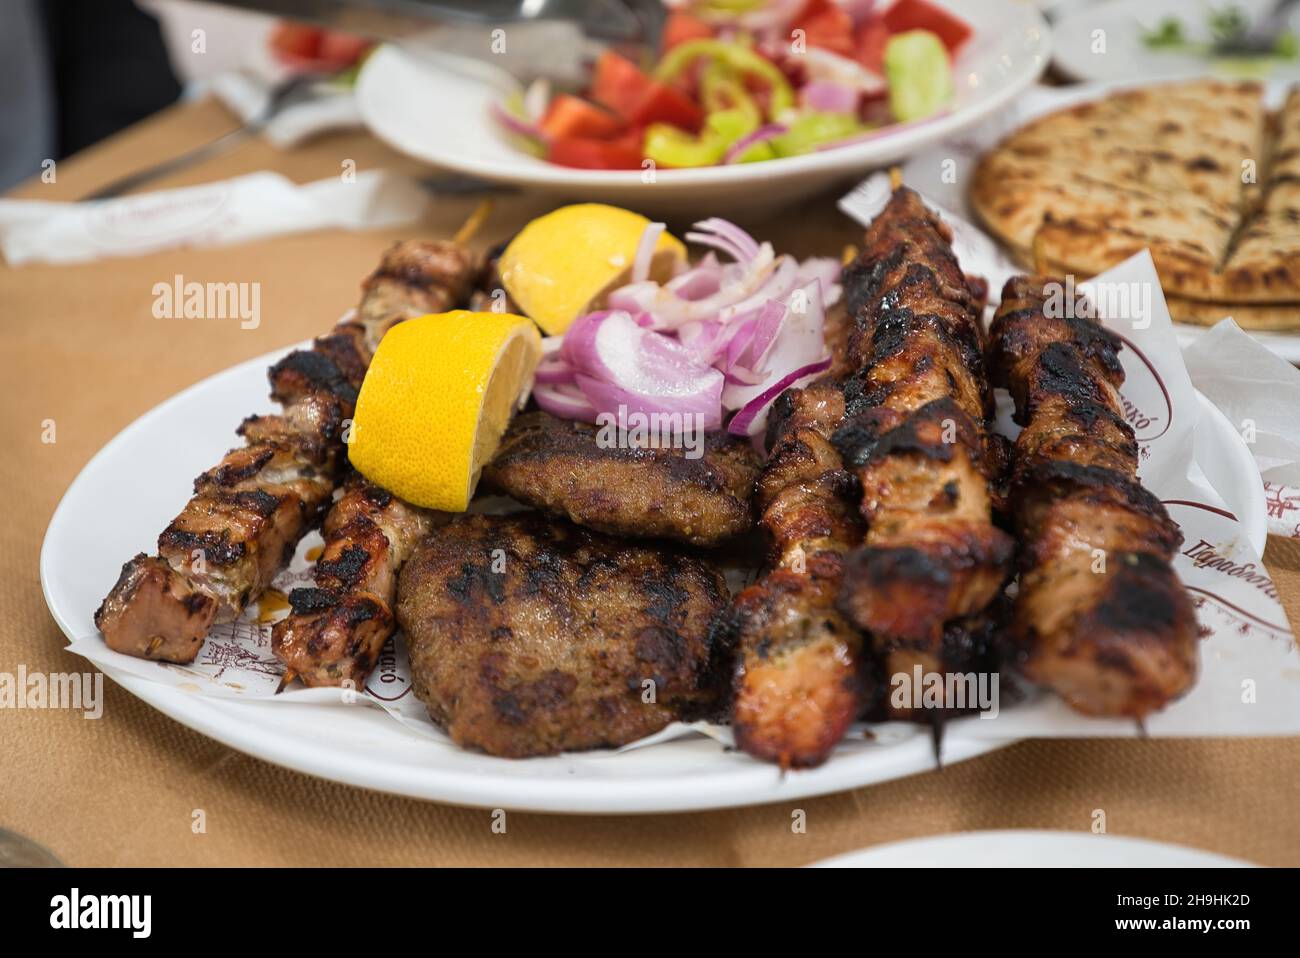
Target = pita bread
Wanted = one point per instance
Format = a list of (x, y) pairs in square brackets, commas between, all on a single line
[(1160, 168)]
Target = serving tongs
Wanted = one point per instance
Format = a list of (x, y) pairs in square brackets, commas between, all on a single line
[(553, 40)]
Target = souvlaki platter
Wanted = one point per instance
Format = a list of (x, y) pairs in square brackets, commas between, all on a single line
[(510, 611)]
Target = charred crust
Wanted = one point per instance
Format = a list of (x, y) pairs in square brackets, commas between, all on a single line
[(314, 371), (218, 548), (348, 568), (860, 441), (307, 601)]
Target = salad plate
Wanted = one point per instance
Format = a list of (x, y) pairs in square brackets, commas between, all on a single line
[(444, 110)]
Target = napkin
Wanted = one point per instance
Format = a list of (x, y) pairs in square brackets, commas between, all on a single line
[(214, 214), (1260, 394)]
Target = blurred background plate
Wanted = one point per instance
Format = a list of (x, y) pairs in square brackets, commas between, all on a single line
[(1030, 849), (1126, 56)]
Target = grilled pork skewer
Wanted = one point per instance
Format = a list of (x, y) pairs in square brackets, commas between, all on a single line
[(915, 433), (249, 512), (800, 676), (1100, 617), (338, 628)]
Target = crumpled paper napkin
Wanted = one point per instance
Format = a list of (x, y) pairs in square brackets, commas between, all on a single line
[(1260, 394), (213, 214)]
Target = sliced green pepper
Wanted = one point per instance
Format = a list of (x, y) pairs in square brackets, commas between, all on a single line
[(739, 58), (721, 89), (812, 130), (670, 146)]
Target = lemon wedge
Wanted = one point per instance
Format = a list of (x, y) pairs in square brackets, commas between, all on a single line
[(436, 400), (562, 265)]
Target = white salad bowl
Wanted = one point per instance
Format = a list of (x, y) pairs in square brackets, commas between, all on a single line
[(439, 109)]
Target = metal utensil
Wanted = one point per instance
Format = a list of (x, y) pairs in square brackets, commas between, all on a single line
[(1260, 38), (297, 89), (529, 39)]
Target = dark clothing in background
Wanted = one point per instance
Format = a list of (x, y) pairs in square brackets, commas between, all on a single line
[(109, 66), (103, 64)]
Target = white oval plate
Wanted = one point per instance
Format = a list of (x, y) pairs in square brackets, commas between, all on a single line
[(1030, 849), (440, 112), (1125, 57), (134, 486)]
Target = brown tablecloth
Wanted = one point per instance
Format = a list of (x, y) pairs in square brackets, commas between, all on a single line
[(80, 346)]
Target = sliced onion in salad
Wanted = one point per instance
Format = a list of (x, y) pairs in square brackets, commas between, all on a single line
[(768, 131), (828, 97), (518, 126)]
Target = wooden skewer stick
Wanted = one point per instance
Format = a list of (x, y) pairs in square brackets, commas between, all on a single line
[(1039, 253), (286, 680), (473, 223), (895, 177)]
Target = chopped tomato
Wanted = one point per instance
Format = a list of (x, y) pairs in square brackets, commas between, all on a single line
[(571, 116), (639, 100), (681, 26), (662, 103), (870, 42), (295, 40), (343, 49), (811, 9), (618, 83), (922, 15), (831, 29), (623, 153)]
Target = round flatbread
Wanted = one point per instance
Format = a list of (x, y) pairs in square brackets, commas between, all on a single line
[(1197, 172)]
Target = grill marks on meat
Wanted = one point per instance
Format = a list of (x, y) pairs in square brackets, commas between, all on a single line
[(562, 467), (801, 675), (531, 636), (338, 628), (915, 434), (1117, 638), (250, 510)]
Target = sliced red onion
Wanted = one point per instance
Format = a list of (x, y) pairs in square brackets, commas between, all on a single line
[(645, 251), (771, 320), (753, 415), (799, 342), (726, 236), (824, 268), (717, 337), (519, 126), (704, 279), (553, 370), (778, 286), (826, 66), (828, 97), (761, 135), (618, 363), (565, 401)]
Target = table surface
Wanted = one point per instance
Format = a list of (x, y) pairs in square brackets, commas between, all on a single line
[(81, 347)]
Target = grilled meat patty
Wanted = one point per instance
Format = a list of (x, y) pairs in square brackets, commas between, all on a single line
[(1100, 616), (915, 433), (532, 636), (563, 467)]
